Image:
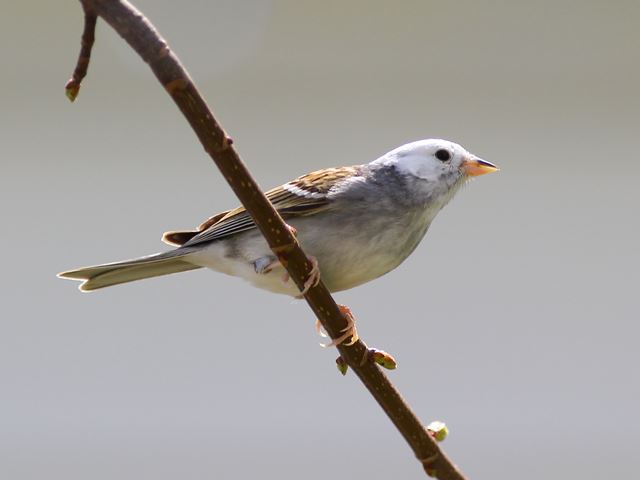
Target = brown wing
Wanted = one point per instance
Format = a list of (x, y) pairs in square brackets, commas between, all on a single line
[(305, 195)]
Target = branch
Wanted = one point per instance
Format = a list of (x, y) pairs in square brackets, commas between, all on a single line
[(72, 88), (144, 39)]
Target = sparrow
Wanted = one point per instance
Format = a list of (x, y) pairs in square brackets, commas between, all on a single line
[(356, 223)]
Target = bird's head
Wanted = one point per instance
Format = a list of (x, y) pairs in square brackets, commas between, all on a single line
[(436, 160), (433, 169)]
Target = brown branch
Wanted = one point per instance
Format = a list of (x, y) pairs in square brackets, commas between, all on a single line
[(72, 88), (144, 39)]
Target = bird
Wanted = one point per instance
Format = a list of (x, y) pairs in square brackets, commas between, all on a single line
[(356, 223)]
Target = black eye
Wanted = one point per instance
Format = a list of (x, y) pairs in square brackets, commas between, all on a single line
[(443, 155)]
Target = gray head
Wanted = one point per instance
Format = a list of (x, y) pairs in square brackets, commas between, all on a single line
[(433, 169)]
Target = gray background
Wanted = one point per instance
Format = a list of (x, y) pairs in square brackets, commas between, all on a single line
[(515, 321)]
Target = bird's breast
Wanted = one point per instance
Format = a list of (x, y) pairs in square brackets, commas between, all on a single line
[(355, 250)]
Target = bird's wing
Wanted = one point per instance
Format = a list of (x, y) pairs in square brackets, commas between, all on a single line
[(306, 195)]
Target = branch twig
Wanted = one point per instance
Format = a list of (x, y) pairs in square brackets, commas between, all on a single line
[(72, 88), (144, 39)]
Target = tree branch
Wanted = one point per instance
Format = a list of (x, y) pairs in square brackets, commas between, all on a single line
[(144, 39), (86, 44)]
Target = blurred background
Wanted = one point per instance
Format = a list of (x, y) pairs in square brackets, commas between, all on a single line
[(515, 321)]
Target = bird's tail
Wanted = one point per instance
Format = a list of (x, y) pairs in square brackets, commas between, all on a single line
[(100, 276)]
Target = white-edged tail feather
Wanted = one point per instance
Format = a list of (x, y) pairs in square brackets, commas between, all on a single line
[(108, 274)]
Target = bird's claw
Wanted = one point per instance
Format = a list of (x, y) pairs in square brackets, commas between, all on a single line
[(313, 279), (375, 355), (314, 275), (348, 331), (319, 329)]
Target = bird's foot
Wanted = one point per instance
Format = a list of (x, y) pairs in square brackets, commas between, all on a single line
[(382, 358), (314, 275), (313, 279), (347, 332), (264, 265)]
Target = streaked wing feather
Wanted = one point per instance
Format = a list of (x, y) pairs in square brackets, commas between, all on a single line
[(305, 195)]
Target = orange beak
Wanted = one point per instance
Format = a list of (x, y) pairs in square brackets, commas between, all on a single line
[(474, 166)]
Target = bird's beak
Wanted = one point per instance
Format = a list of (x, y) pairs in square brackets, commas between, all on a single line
[(474, 166)]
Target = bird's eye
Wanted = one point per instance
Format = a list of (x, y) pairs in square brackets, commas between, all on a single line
[(443, 155)]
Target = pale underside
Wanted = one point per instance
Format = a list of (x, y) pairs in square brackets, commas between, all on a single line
[(348, 253)]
